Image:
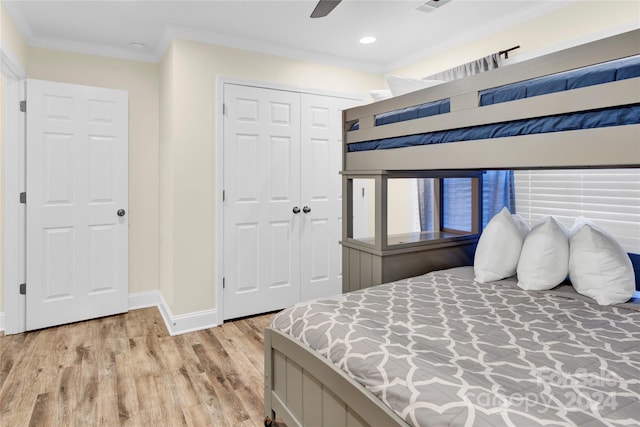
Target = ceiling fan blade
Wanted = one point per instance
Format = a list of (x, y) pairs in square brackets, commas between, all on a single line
[(324, 7)]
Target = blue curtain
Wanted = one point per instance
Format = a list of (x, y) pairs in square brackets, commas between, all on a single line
[(497, 192)]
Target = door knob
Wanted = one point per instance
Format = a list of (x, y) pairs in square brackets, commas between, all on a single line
[(296, 210), (121, 212), (306, 209)]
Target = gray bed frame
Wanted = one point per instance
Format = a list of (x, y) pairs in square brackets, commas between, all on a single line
[(304, 389)]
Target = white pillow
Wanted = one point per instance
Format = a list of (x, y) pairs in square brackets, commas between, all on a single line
[(380, 94), (598, 266), (499, 247), (544, 259), (400, 85)]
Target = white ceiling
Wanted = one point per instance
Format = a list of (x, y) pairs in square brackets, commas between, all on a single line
[(405, 35)]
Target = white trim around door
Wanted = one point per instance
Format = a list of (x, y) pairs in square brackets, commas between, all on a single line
[(13, 181)]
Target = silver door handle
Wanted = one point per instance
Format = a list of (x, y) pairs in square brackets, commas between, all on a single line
[(120, 212), (296, 210), (306, 209)]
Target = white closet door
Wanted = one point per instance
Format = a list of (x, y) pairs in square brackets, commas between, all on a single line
[(77, 180), (321, 158), (262, 186)]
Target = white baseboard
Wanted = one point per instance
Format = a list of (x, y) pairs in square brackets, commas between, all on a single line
[(144, 299), (190, 322), (176, 325)]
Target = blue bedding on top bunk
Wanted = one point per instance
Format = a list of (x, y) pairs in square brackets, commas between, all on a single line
[(607, 72), (616, 116), (416, 112)]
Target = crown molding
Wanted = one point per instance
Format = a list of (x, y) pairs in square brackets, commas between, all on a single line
[(64, 45), (10, 65), (91, 49), (172, 32)]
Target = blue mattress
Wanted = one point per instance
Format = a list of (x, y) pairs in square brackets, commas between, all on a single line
[(615, 116), (416, 112), (607, 72)]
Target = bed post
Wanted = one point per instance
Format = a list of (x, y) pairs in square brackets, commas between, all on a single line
[(270, 415)]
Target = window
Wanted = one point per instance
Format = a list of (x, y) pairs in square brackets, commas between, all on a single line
[(456, 204), (497, 192)]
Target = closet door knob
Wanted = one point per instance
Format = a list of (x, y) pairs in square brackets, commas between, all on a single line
[(120, 212), (296, 210), (306, 209)]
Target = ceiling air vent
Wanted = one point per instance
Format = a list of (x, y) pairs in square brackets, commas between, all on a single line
[(432, 5)]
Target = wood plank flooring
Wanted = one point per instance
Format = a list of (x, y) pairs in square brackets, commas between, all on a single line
[(126, 370)]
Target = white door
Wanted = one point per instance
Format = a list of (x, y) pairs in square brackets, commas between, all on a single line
[(77, 202), (321, 195), (262, 186)]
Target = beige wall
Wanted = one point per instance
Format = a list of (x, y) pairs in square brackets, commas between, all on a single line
[(402, 206), (577, 20), (141, 80), (188, 170)]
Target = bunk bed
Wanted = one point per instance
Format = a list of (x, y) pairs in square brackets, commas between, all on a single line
[(310, 380), (595, 146)]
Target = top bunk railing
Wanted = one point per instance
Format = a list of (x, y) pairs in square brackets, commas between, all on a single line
[(465, 111)]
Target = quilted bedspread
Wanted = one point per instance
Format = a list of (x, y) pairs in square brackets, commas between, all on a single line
[(443, 350)]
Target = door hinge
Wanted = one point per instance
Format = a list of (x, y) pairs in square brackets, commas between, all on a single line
[(224, 109), (223, 283), (23, 106), (23, 197), (23, 288), (224, 196)]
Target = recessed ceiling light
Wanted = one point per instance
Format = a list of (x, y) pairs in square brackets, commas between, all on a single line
[(367, 40), (137, 45)]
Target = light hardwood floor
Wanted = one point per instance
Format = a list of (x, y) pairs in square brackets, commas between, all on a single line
[(126, 370)]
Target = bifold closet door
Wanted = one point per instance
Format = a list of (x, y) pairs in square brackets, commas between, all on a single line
[(262, 187)]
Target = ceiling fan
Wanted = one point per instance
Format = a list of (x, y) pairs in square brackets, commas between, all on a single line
[(324, 7)]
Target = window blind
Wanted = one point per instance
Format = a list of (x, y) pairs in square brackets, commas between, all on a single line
[(609, 197)]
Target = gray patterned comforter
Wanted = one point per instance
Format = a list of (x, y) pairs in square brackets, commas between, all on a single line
[(443, 350)]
